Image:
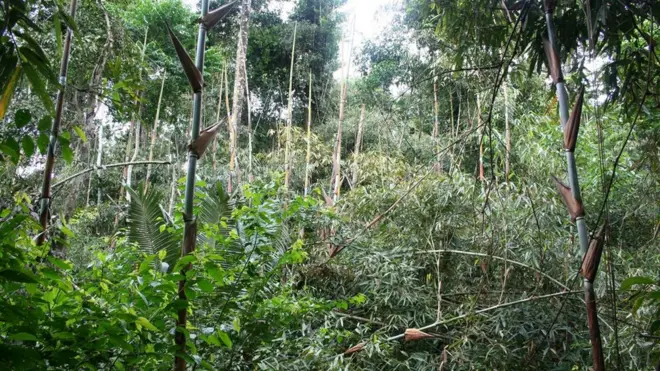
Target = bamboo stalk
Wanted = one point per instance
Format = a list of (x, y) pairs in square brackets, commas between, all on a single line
[(507, 129), (506, 260), (481, 141), (135, 124), (481, 311), (44, 212), (589, 295), (249, 120), (190, 230), (110, 166), (436, 128), (217, 119), (154, 131), (309, 135), (358, 145), (289, 120)]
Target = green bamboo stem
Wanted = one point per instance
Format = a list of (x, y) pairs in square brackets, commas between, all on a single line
[(44, 212), (189, 232), (309, 135), (154, 132), (289, 121), (100, 168), (589, 294)]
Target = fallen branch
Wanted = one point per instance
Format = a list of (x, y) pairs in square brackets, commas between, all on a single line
[(357, 318), (104, 167), (514, 262)]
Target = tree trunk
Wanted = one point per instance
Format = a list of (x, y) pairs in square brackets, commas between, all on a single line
[(289, 120), (358, 145), (45, 199), (239, 91), (154, 132)]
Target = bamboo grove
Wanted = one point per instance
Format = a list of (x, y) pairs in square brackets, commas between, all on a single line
[(329, 184)]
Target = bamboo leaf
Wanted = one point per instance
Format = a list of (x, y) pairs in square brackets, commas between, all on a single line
[(8, 91), (80, 133), (192, 73), (146, 324), (58, 33), (631, 281), (38, 86)]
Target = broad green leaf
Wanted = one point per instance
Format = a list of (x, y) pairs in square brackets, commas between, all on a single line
[(225, 338), (8, 91), (18, 276), (28, 146), (60, 263), (42, 65), (630, 281), (80, 133), (213, 340), (11, 148), (64, 229), (236, 323), (22, 118), (67, 154), (23, 336), (144, 266), (45, 123), (183, 262), (205, 285), (42, 143), (38, 86), (145, 323)]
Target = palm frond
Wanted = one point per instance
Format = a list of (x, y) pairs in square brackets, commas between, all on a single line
[(145, 220)]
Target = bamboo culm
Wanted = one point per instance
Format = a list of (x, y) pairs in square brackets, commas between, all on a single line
[(44, 212), (189, 226), (589, 295), (289, 120)]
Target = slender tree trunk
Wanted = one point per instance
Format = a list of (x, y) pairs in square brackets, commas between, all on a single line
[(249, 122), (190, 226), (589, 294), (45, 199), (481, 141), (289, 120), (154, 133), (507, 129), (358, 145), (99, 159), (135, 124), (438, 165), (309, 135), (239, 90)]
